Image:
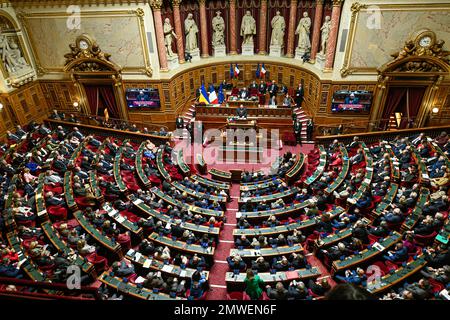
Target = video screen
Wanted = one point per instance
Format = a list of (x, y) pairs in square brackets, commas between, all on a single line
[(143, 98), (352, 101)]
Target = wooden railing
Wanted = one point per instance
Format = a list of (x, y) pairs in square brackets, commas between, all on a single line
[(370, 137)]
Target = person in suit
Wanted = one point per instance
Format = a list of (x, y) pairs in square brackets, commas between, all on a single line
[(287, 101), (273, 101), (298, 131), (299, 93), (262, 88), (309, 130), (351, 99), (179, 122), (244, 94), (253, 86), (273, 89), (279, 293), (399, 254), (241, 112)]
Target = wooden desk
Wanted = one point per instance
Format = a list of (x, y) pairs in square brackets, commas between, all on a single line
[(198, 195), (61, 246), (294, 172), (139, 166), (104, 240), (389, 280), (157, 265), (123, 221), (236, 282), (181, 246), (166, 219), (270, 197), (320, 168), (95, 187), (132, 290), (387, 200), (252, 186), (220, 175), (68, 191), (181, 163), (267, 252), (344, 171), (211, 183), (116, 169), (413, 218), (174, 202), (366, 255), (201, 164), (160, 165)]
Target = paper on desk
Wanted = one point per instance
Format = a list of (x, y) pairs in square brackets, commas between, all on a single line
[(147, 263), (139, 280), (378, 246), (137, 256), (167, 268), (137, 202)]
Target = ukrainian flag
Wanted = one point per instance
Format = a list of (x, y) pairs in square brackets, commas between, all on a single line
[(203, 95)]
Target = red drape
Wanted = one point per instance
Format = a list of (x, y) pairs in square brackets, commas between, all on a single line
[(394, 98), (109, 100), (415, 96), (92, 97)]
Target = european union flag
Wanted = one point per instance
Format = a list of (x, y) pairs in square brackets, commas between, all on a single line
[(258, 72), (221, 95), (231, 71)]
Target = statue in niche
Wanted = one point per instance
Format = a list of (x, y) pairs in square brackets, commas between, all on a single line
[(190, 30), (304, 30), (169, 34), (248, 28), (278, 28), (11, 54), (218, 26), (325, 34)]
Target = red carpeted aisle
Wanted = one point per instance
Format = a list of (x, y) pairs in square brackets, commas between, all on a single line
[(220, 267)]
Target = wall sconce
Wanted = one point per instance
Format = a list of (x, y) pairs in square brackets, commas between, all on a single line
[(435, 110), (76, 105), (1, 107)]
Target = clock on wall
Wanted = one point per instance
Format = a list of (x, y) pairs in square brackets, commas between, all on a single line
[(425, 39), (84, 42)]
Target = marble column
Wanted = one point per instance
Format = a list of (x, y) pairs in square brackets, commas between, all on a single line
[(332, 41), (232, 28), (178, 30), (316, 29), (291, 30), (156, 8), (263, 27), (203, 29)]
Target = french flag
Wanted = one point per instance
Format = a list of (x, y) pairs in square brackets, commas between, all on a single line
[(213, 99), (263, 71), (236, 71)]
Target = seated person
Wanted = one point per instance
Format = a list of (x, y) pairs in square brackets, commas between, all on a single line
[(399, 254), (279, 293), (236, 263), (244, 94), (351, 99), (241, 112)]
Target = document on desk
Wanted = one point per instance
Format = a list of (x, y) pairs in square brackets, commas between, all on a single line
[(167, 268), (378, 246), (137, 256), (147, 263)]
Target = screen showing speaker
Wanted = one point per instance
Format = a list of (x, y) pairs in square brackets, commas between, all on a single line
[(348, 101), (143, 98)]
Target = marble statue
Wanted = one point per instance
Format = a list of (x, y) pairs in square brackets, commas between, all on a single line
[(218, 26), (248, 28), (325, 34), (190, 30), (304, 30), (278, 28), (169, 34), (12, 57)]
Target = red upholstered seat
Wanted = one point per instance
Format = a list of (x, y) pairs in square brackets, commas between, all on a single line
[(425, 240), (84, 202), (235, 295), (57, 212), (100, 263)]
